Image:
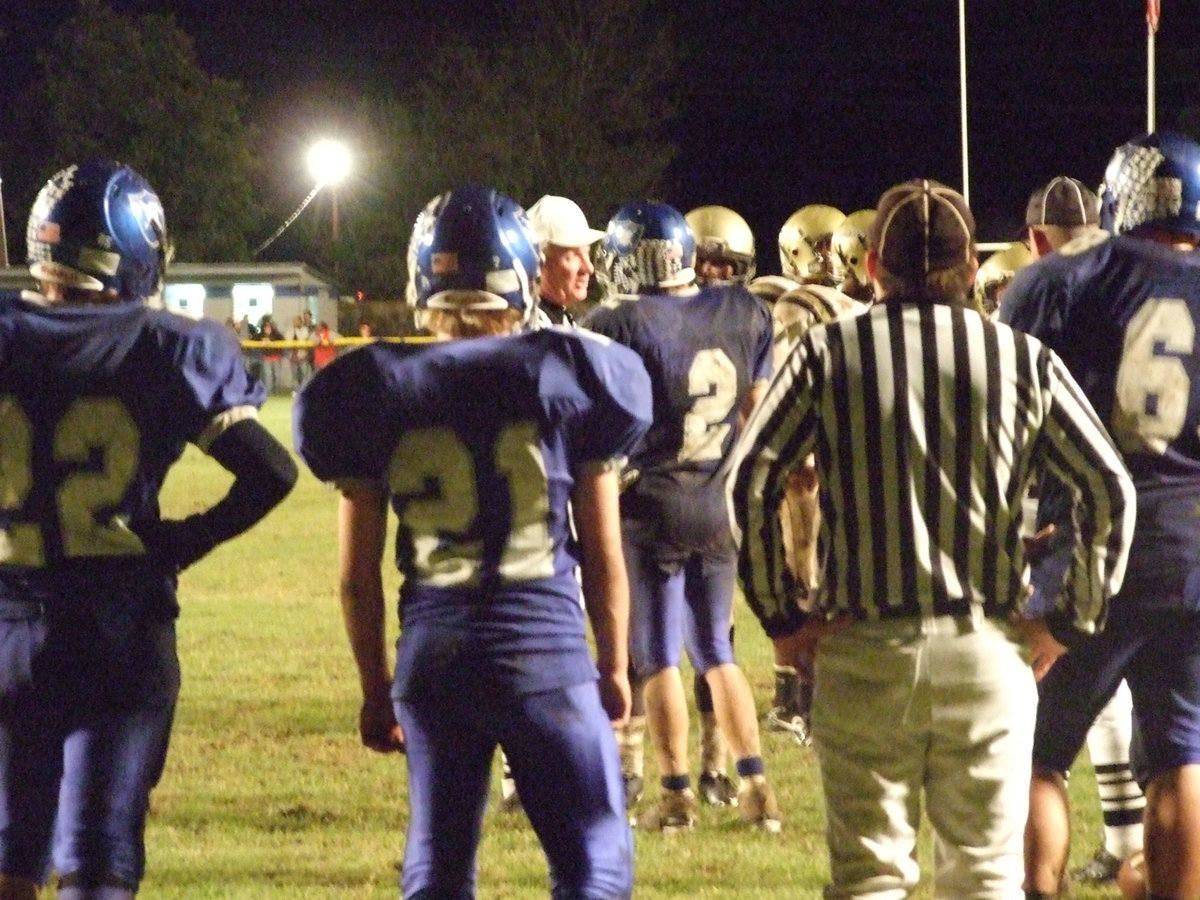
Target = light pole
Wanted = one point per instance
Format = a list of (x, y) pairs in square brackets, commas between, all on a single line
[(329, 163)]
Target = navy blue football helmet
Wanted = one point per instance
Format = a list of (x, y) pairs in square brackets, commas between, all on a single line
[(474, 239), (649, 245), (99, 226), (1153, 179)]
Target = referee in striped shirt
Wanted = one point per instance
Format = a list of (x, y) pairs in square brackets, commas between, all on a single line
[(928, 423)]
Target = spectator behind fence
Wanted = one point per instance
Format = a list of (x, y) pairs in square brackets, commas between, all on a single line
[(325, 350), (301, 357), (272, 358)]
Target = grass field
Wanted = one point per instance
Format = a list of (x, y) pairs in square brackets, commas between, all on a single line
[(268, 793)]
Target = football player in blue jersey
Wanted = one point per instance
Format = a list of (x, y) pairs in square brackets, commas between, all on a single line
[(725, 253), (98, 397), (1121, 307), (1058, 212), (480, 445), (708, 352)]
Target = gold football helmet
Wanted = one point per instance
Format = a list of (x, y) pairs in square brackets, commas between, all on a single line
[(848, 248), (804, 242), (996, 272), (721, 234)]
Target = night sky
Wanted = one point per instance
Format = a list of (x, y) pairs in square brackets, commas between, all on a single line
[(789, 102)]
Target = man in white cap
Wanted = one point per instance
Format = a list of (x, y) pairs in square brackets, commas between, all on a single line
[(566, 239)]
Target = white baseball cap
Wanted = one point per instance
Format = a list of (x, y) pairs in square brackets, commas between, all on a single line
[(560, 221)]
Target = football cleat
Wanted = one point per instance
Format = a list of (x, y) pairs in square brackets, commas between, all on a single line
[(634, 786), (757, 805), (510, 800), (717, 789), (793, 704), (674, 811), (1100, 869), (511, 803), (784, 720)]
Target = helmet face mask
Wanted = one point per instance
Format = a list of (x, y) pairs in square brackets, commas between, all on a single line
[(724, 238), (649, 246), (473, 248), (1152, 180), (99, 226)]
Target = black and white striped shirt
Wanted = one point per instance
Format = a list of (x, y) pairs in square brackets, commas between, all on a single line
[(928, 423)]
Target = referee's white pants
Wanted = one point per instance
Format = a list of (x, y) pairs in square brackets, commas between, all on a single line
[(941, 708)]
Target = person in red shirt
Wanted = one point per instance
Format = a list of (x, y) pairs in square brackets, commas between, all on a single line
[(325, 350)]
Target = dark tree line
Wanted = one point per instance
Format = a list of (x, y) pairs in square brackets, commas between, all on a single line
[(578, 103)]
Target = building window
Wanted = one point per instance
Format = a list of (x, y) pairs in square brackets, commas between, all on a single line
[(185, 299), (253, 301)]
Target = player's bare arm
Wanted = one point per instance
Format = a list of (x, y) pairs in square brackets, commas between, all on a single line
[(362, 529), (605, 583)]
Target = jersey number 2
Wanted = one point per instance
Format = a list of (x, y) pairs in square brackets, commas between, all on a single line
[(440, 520), (712, 382)]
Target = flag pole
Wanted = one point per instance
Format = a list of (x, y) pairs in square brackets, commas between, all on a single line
[(3, 230), (962, 94), (1153, 10)]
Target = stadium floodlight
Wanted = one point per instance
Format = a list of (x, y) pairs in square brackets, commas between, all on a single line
[(329, 162)]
